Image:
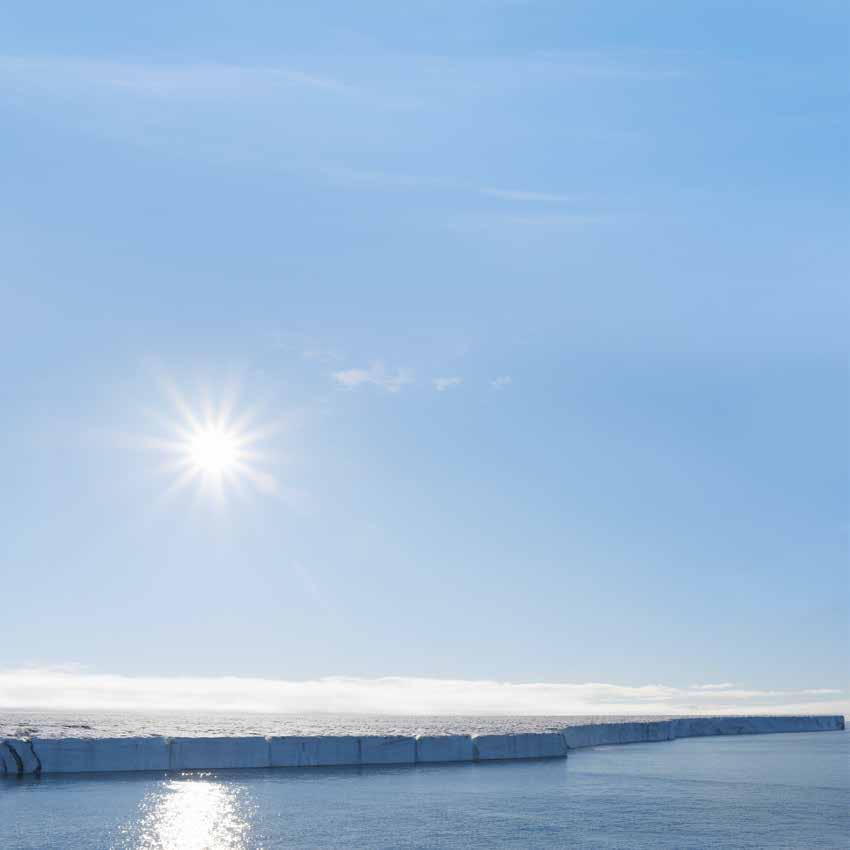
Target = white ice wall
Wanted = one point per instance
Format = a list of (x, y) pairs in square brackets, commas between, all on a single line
[(78, 755), (442, 748), (528, 746), (221, 753), (314, 751), (393, 749), (82, 755), (693, 727), (601, 734)]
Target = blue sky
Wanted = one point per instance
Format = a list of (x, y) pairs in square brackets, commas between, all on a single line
[(541, 309)]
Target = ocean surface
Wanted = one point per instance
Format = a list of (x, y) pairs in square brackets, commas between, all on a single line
[(789, 791)]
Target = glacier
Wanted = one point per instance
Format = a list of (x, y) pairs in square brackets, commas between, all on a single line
[(43, 755)]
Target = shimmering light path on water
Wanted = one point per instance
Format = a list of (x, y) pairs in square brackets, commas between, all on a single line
[(766, 792)]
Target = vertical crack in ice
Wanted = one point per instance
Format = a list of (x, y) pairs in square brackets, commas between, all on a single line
[(16, 757), (37, 770)]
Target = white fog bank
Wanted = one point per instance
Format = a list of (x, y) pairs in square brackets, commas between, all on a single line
[(73, 689)]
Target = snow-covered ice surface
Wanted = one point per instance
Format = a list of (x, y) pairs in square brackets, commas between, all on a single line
[(44, 724)]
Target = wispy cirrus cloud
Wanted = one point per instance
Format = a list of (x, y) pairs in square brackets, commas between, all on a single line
[(307, 346), (501, 382), (155, 105), (532, 197), (71, 689), (518, 228), (393, 180), (443, 384), (359, 178), (371, 179), (375, 375), (186, 80), (434, 79)]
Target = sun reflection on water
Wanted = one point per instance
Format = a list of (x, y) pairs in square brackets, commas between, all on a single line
[(193, 813)]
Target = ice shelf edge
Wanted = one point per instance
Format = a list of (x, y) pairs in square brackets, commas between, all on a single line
[(35, 756)]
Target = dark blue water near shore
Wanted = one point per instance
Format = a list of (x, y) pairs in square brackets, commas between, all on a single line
[(767, 792)]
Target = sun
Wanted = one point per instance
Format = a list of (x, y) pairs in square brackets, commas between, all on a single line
[(213, 444), (213, 450)]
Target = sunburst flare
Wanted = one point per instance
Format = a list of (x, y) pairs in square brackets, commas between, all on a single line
[(214, 448)]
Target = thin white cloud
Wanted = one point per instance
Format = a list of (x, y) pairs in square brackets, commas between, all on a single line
[(385, 179), (511, 228), (321, 355), (532, 197), (376, 375), (438, 77), (443, 384), (430, 182), (359, 178), (69, 689), (163, 80), (501, 382), (309, 347), (136, 101)]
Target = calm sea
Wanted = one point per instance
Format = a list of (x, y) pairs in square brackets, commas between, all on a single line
[(768, 791)]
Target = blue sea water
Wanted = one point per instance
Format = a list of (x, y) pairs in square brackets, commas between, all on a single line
[(769, 791)]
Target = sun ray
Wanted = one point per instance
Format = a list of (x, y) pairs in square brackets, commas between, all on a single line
[(182, 406), (180, 483)]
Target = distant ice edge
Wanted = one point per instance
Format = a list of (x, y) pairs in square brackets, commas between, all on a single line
[(19, 756)]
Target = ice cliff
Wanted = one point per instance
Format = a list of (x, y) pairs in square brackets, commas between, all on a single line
[(19, 756)]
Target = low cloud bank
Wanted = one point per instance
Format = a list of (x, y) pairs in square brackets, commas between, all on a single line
[(73, 689)]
